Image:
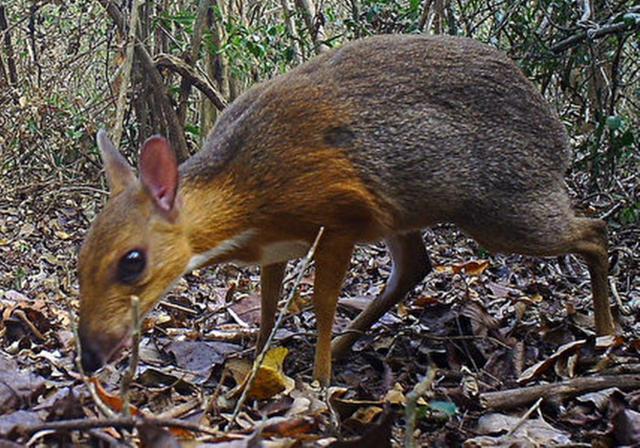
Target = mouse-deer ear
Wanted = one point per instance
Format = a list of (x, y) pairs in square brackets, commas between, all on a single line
[(119, 173), (159, 171)]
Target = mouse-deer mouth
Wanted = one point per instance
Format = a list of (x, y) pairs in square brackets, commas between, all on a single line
[(125, 342), (102, 349)]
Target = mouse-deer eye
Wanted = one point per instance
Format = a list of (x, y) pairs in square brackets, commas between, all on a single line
[(131, 266)]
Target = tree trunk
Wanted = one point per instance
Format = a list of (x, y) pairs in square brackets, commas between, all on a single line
[(314, 25), (216, 70), (8, 47), (192, 58), (172, 124), (287, 10)]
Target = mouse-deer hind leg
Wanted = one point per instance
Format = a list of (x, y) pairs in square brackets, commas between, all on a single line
[(541, 228), (410, 265), (591, 244)]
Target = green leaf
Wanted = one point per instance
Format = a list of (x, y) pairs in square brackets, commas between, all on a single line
[(193, 130), (627, 138), (614, 122), (630, 215), (631, 18), (446, 407)]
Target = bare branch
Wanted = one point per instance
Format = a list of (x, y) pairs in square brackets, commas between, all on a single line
[(130, 374), (199, 80), (196, 41), (595, 34), (410, 408), (586, 11), (85, 424)]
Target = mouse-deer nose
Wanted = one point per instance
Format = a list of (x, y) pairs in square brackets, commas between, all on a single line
[(91, 359)]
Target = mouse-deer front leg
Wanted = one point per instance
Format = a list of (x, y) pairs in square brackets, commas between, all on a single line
[(332, 257), (271, 277)]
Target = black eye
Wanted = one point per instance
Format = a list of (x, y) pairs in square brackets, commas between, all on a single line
[(131, 266)]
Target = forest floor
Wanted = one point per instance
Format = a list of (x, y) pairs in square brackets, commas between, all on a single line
[(481, 329)]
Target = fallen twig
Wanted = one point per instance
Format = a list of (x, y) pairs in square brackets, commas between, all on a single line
[(85, 424), (302, 266), (180, 308), (526, 416), (128, 376), (34, 330), (624, 309), (513, 398), (410, 408)]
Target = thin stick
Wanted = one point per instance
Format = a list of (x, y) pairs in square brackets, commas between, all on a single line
[(130, 374), (106, 438), (410, 408), (526, 415), (302, 266), (624, 309)]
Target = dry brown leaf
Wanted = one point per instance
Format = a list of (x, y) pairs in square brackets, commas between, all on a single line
[(530, 433), (367, 415), (290, 427), (425, 301), (114, 402), (473, 268), (541, 367)]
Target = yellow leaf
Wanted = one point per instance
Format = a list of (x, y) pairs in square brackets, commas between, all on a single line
[(367, 415), (536, 298), (396, 395), (62, 235), (270, 379)]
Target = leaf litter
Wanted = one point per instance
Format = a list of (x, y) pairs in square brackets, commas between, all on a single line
[(485, 324)]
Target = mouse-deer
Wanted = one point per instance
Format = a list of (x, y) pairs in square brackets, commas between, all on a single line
[(374, 141)]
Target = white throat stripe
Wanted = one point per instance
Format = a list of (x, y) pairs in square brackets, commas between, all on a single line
[(222, 248)]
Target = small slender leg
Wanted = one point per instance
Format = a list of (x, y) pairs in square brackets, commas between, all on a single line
[(552, 232), (332, 257), (592, 246), (271, 277), (410, 265)]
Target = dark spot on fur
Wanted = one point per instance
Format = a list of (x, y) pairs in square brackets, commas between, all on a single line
[(339, 137)]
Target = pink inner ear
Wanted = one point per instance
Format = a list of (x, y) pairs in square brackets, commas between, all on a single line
[(159, 171)]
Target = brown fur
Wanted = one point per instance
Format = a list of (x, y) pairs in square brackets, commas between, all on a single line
[(373, 141)]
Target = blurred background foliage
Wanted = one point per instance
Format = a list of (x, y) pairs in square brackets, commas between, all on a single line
[(62, 68)]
